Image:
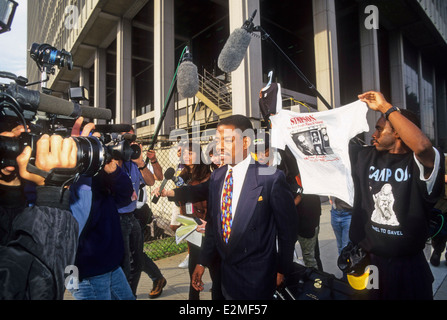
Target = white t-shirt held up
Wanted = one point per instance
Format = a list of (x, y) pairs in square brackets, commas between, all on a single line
[(320, 143)]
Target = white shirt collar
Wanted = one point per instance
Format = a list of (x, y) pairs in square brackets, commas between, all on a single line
[(239, 172), (241, 167)]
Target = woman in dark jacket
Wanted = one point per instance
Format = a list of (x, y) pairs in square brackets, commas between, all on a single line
[(194, 172)]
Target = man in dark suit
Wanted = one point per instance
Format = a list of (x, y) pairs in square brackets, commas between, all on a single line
[(259, 249)]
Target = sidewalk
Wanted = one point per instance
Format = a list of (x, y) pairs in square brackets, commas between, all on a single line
[(178, 279)]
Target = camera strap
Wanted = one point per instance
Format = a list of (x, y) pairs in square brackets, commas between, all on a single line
[(57, 177)]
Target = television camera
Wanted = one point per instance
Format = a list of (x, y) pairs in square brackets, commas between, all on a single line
[(42, 113)]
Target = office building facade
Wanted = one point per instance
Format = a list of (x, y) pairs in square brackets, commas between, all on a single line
[(126, 53)]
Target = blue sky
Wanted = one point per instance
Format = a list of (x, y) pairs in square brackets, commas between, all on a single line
[(13, 43)]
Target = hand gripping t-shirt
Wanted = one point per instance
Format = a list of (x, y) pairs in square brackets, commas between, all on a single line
[(319, 141)]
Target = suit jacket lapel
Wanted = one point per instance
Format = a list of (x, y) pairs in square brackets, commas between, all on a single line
[(246, 205)]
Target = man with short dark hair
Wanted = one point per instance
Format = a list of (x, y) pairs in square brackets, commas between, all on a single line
[(397, 182), (250, 218), (134, 259)]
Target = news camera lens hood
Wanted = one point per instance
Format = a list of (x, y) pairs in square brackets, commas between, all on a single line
[(91, 155)]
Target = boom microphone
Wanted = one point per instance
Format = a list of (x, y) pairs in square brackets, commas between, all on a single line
[(55, 105), (187, 77), (169, 173), (96, 113), (236, 46), (108, 128)]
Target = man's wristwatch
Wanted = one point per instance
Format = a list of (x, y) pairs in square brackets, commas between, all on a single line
[(390, 110)]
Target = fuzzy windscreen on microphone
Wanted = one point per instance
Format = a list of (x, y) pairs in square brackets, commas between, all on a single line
[(169, 173), (234, 50), (187, 79)]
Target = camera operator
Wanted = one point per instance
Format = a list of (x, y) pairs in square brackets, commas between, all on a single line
[(140, 174), (12, 197), (101, 248), (39, 241)]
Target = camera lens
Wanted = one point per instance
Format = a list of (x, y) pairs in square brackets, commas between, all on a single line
[(91, 155), (136, 151), (9, 150)]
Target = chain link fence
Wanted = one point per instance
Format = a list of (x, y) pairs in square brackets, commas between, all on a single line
[(159, 238)]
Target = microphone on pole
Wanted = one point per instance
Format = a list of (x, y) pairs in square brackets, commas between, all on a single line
[(187, 76), (166, 105), (169, 173), (236, 46)]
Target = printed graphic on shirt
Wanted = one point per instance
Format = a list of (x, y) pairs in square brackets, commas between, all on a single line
[(313, 142), (388, 175), (383, 207)]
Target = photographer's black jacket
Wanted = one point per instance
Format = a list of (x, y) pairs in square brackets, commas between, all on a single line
[(42, 244), (101, 247)]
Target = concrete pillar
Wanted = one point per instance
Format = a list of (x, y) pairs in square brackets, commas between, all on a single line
[(369, 53), (100, 80), (397, 69), (441, 112), (246, 81), (426, 107), (164, 64), (124, 72), (326, 52)]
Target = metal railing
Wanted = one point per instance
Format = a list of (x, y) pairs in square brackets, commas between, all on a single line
[(216, 90)]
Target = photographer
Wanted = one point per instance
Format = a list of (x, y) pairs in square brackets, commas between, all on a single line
[(101, 249), (33, 259), (134, 261), (12, 197)]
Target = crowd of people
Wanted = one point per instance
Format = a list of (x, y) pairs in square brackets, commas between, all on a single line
[(250, 221), (94, 223)]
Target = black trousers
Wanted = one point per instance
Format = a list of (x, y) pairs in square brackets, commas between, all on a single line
[(214, 269), (402, 278), (133, 249)]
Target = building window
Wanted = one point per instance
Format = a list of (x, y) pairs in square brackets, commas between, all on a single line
[(290, 25), (427, 100), (384, 62), (411, 77), (349, 56), (142, 124)]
